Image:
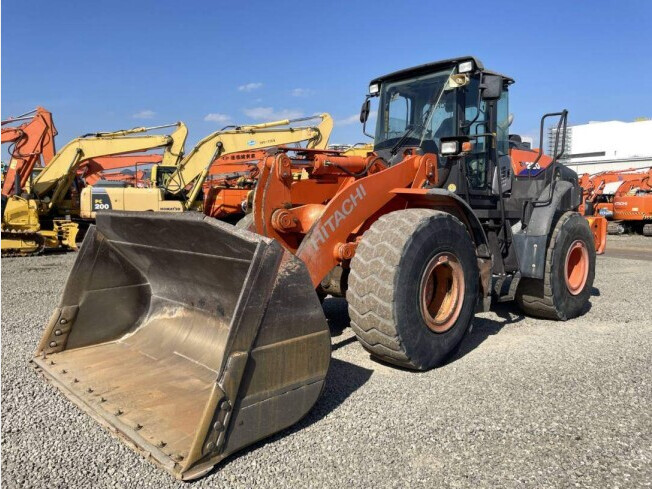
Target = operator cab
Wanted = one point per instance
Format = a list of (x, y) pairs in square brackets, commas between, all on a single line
[(459, 111), (437, 108)]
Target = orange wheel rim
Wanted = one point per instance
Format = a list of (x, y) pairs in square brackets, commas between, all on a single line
[(442, 292), (577, 267)]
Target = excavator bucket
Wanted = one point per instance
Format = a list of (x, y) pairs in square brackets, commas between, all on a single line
[(186, 337)]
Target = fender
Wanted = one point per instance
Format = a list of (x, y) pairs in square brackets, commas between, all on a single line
[(439, 197), (531, 242)]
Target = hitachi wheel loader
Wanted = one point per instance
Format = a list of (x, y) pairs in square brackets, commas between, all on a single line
[(190, 338)]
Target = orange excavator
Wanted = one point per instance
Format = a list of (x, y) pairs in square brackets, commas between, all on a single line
[(229, 182), (632, 205), (132, 169), (621, 196), (32, 145)]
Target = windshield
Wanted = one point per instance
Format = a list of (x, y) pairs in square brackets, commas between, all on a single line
[(419, 107)]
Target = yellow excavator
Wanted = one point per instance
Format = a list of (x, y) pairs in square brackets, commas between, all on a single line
[(42, 216), (175, 188)]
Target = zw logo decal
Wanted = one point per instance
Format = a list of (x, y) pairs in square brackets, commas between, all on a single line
[(531, 168), (323, 232), (531, 165)]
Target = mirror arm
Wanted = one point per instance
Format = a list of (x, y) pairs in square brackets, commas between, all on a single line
[(364, 123), (477, 108)]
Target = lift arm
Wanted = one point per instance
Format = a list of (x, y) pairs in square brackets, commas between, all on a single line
[(194, 168), (56, 178)]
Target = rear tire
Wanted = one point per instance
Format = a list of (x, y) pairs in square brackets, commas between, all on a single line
[(565, 290), (413, 287)]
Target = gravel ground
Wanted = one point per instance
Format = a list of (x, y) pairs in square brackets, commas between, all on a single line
[(527, 403)]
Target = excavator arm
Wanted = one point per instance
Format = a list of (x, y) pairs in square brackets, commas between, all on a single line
[(100, 168), (33, 141), (194, 168), (56, 178)]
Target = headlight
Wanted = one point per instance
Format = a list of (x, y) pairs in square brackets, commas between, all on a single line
[(450, 148), (374, 89), (465, 67)]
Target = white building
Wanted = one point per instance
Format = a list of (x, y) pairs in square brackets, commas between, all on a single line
[(612, 145)]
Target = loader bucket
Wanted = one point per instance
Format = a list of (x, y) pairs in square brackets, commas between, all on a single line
[(186, 337)]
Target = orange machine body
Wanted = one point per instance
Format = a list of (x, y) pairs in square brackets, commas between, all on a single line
[(320, 218), (633, 199), (229, 182), (594, 199)]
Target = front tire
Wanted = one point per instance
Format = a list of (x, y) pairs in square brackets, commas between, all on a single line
[(565, 290), (413, 287)]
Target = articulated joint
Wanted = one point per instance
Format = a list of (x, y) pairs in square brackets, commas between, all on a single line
[(344, 251), (284, 168), (284, 221)]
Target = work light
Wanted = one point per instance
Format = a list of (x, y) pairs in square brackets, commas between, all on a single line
[(465, 67), (450, 147)]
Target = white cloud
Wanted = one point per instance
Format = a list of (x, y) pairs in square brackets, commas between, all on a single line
[(353, 119), (216, 117), (301, 92), (269, 114), (250, 87), (144, 114)]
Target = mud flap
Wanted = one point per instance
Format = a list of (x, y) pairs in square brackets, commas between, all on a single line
[(598, 225), (187, 337)]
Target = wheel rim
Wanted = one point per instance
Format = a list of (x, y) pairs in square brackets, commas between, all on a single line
[(577, 267), (442, 292)]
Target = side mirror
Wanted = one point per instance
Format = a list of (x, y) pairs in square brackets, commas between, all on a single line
[(364, 111), (492, 87)]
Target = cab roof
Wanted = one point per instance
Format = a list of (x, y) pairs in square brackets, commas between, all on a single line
[(436, 66)]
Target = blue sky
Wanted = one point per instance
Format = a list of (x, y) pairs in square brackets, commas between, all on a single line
[(112, 65)]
